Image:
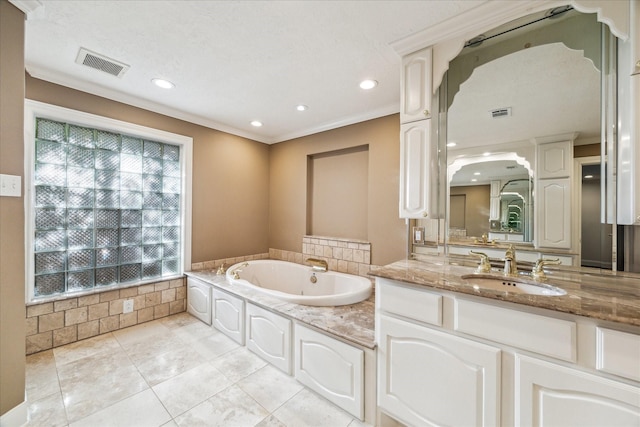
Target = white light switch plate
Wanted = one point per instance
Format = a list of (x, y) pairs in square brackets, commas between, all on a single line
[(10, 185)]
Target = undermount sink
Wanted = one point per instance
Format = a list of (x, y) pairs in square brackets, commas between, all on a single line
[(513, 285)]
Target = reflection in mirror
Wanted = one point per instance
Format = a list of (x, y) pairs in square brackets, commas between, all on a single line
[(530, 90)]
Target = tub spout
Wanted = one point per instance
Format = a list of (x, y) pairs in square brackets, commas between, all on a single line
[(236, 271), (317, 264)]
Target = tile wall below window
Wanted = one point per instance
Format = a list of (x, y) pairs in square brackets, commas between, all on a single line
[(56, 323)]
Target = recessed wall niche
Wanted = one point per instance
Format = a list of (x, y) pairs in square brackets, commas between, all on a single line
[(337, 193)]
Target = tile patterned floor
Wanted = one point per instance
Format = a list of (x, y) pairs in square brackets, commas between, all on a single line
[(175, 371)]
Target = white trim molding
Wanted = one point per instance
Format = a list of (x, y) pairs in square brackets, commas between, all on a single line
[(35, 109), (16, 416)]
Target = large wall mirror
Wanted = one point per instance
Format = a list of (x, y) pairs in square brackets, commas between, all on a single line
[(533, 81)]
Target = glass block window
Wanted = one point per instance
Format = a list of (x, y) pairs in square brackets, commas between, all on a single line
[(107, 208)]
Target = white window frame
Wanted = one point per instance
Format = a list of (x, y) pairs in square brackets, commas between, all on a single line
[(36, 109)]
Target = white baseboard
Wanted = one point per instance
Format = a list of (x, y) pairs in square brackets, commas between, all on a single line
[(15, 417)]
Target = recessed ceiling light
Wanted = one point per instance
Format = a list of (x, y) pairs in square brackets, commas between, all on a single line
[(368, 84), (164, 84), (301, 107), (476, 173), (256, 123), (588, 176), (486, 154), (474, 180), (451, 144)]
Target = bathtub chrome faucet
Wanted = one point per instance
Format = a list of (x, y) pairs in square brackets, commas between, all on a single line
[(317, 264)]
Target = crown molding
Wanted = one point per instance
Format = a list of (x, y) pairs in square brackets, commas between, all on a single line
[(31, 8)]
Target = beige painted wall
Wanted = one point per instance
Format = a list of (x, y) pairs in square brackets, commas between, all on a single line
[(337, 197), (12, 309), (230, 174), (288, 186), (476, 208)]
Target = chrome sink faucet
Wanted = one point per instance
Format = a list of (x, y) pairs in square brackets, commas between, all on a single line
[(510, 263)]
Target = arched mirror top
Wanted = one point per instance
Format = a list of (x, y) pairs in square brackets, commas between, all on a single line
[(492, 161), (449, 37)]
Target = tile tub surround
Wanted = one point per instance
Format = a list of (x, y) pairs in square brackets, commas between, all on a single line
[(67, 320), (609, 296), (174, 371), (353, 323), (342, 255)]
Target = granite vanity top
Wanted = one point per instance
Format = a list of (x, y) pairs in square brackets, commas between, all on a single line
[(353, 323), (520, 246), (607, 296)]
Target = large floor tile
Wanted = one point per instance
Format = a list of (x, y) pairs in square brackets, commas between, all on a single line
[(271, 421), (41, 376), (231, 407), (140, 410), (85, 348), (308, 409), (96, 382), (47, 412), (270, 387), (194, 331), (153, 345), (214, 345), (127, 337), (183, 392), (238, 363), (178, 320), (158, 368)]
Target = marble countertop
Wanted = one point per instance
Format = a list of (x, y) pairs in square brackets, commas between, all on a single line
[(608, 296), (353, 323)]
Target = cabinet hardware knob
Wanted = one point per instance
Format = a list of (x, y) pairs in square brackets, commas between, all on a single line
[(426, 113), (425, 214)]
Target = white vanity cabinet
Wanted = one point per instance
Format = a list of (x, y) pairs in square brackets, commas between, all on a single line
[(228, 314), (548, 394), (415, 81), (428, 377), (455, 359), (269, 336), (199, 300)]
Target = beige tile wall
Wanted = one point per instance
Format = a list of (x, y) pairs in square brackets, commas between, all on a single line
[(57, 323), (342, 255)]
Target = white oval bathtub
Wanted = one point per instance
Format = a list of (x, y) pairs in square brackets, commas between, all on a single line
[(292, 282)]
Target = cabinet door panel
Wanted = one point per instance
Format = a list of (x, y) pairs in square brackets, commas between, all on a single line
[(553, 395), (199, 300), (228, 315), (426, 377), (332, 368), (416, 86), (554, 217), (415, 158), (269, 336)]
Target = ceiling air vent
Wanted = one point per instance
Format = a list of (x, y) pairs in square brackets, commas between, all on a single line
[(101, 63), (501, 112)]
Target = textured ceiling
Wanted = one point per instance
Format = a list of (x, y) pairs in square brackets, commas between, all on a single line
[(236, 61)]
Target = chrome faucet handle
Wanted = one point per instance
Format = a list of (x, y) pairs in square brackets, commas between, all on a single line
[(538, 272), (485, 265)]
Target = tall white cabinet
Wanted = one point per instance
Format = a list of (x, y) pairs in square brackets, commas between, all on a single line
[(415, 135), (554, 173)]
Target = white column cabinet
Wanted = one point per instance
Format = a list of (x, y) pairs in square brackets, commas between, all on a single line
[(415, 81), (552, 395), (554, 172), (427, 377), (415, 160)]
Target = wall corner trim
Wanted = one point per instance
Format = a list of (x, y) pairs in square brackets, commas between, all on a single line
[(17, 416), (30, 7)]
